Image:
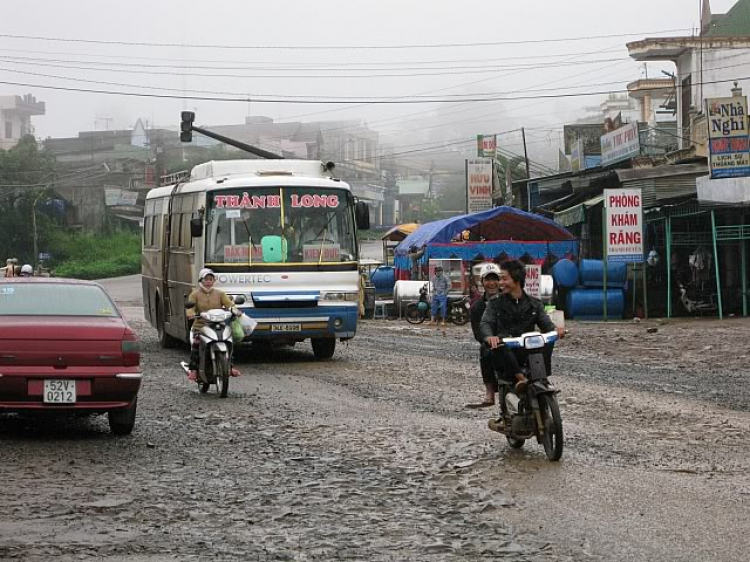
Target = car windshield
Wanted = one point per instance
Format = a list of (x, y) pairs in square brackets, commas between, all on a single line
[(280, 224), (54, 299)]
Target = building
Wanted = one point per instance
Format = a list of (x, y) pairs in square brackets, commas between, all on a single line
[(15, 118), (706, 66)]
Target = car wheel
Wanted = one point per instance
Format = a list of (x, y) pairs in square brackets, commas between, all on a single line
[(121, 422)]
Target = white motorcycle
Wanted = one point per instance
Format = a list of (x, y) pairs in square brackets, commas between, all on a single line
[(215, 347)]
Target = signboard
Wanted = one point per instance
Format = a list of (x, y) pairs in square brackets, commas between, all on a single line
[(116, 197), (239, 253), (311, 252), (486, 146), (622, 144), (577, 159), (533, 281), (728, 141), (479, 184), (624, 225)]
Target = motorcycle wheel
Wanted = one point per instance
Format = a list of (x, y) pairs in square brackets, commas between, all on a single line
[(459, 316), (515, 443), (553, 427), (413, 314), (221, 369)]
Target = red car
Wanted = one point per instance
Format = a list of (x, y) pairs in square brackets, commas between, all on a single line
[(65, 347)]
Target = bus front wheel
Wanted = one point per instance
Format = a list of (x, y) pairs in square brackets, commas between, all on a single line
[(323, 347)]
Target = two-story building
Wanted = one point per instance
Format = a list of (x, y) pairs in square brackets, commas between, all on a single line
[(15, 118)]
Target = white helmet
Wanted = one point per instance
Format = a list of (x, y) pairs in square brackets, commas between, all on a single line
[(205, 271), (27, 271), (487, 269)]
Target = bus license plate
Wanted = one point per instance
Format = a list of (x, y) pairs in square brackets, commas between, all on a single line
[(59, 392), (286, 327)]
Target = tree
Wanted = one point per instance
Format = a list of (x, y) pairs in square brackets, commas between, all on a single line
[(26, 174)]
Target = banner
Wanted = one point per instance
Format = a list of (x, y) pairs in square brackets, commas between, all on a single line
[(478, 184), (624, 225), (533, 281), (486, 146), (622, 144), (577, 159), (728, 141), (117, 197)]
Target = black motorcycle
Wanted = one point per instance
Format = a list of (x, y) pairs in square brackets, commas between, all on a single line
[(419, 311), (535, 412)]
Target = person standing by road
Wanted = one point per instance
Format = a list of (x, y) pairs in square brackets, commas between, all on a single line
[(490, 277), (440, 287)]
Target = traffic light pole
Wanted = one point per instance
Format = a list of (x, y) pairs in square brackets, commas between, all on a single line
[(241, 145)]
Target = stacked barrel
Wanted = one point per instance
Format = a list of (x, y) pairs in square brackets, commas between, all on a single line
[(581, 288)]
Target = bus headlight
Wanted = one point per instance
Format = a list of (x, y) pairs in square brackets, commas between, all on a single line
[(353, 297)]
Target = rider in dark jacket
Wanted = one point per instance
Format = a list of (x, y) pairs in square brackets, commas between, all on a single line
[(512, 314)]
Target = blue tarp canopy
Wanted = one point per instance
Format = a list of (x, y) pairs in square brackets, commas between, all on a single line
[(496, 224)]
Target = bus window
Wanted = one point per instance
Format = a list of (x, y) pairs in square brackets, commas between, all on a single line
[(302, 224)]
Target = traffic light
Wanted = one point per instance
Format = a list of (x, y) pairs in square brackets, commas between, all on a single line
[(186, 126)]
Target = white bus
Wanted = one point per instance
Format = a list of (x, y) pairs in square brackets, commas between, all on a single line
[(283, 233)]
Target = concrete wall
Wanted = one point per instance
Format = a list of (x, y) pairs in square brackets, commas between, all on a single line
[(719, 65)]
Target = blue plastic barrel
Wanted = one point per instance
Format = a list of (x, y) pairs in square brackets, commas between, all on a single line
[(592, 274), (384, 278), (588, 304), (565, 274)]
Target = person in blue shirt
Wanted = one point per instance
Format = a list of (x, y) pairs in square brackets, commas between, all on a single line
[(440, 287)]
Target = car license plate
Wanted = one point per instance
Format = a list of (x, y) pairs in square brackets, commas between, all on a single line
[(286, 327), (59, 392)]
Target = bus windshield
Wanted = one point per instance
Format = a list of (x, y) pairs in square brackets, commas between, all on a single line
[(280, 225)]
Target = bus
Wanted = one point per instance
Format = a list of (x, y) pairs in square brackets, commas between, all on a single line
[(283, 233)]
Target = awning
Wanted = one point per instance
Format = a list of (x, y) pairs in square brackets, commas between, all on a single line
[(577, 213), (399, 232)]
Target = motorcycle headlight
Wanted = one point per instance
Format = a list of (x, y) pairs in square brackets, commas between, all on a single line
[(533, 342)]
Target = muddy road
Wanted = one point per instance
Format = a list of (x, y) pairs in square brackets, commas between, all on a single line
[(372, 456)]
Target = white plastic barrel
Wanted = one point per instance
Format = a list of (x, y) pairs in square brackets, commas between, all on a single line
[(546, 287)]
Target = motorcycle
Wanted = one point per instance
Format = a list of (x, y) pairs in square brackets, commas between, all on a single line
[(418, 312), (535, 412), (215, 347)]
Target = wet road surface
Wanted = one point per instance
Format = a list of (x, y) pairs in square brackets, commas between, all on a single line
[(372, 456)]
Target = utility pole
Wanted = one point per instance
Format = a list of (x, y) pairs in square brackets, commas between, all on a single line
[(528, 173)]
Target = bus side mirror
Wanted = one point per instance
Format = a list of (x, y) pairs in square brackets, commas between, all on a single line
[(196, 228), (362, 215)]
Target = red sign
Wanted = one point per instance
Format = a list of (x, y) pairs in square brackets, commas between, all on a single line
[(247, 201)]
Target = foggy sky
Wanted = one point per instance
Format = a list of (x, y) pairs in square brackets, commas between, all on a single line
[(339, 24)]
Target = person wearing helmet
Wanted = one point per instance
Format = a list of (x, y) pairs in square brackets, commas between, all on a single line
[(27, 271), (206, 297), (490, 278)]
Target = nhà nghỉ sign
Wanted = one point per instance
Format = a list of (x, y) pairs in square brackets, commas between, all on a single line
[(624, 225), (728, 140)]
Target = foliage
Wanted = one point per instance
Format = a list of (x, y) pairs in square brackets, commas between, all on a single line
[(26, 174), (90, 256)]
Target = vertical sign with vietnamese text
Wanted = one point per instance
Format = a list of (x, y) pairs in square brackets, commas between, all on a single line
[(479, 184), (728, 141), (577, 159), (624, 225), (532, 286), (486, 146)]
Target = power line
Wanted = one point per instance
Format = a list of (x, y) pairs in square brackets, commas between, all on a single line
[(333, 47)]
